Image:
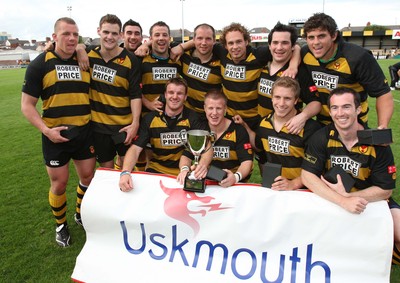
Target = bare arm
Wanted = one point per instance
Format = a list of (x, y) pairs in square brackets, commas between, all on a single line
[(384, 109), (244, 170), (293, 63), (132, 129), (353, 204), (130, 159), (28, 108), (296, 124)]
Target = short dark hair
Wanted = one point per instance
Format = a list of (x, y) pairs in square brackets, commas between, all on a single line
[(321, 21), (204, 26), (279, 27), (342, 90), (177, 81), (110, 19), (216, 93), (160, 24), (235, 27), (63, 20), (131, 22), (287, 82)]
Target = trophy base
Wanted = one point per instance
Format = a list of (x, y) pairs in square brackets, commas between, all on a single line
[(197, 186)]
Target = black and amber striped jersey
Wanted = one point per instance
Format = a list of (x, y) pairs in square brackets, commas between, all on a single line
[(353, 67), (369, 165), (112, 87), (200, 78), (63, 88), (282, 147), (232, 148), (239, 81), (155, 74), (308, 91), (163, 134)]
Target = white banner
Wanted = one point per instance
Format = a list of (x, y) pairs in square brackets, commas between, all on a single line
[(396, 34), (160, 233)]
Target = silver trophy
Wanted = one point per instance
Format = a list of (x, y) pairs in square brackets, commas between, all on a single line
[(197, 142)]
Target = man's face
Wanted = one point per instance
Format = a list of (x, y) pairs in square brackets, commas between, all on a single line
[(109, 36), (204, 40), (215, 111), (160, 41), (132, 38), (284, 101), (236, 45), (343, 111), (66, 38), (321, 43), (281, 47), (175, 97)]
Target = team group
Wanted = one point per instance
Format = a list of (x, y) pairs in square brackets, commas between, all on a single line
[(126, 111)]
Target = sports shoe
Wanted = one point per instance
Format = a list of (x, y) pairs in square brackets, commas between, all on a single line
[(78, 220), (62, 235)]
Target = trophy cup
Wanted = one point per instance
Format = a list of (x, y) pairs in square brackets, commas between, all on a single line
[(196, 142)]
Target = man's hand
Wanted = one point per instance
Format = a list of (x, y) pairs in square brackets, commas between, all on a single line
[(142, 51), (153, 105), (54, 134), (125, 183), (176, 53), (282, 184), (296, 124)]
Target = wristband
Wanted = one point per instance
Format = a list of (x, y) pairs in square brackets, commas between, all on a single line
[(185, 168), (125, 172), (238, 177)]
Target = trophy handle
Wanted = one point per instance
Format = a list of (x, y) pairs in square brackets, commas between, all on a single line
[(212, 138)]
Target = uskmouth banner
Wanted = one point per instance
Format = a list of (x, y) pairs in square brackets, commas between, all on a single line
[(245, 233)]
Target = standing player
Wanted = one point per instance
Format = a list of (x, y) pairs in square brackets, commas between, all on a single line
[(200, 67), (241, 66), (282, 39), (132, 35), (115, 93), (334, 63), (56, 78)]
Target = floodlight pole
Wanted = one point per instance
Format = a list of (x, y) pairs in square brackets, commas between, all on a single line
[(323, 6), (69, 9), (183, 28)]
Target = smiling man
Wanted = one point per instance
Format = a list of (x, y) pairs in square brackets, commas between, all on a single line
[(232, 151), (115, 93), (161, 130), (132, 35), (372, 167), (334, 63)]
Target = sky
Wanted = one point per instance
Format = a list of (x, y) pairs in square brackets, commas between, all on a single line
[(34, 19)]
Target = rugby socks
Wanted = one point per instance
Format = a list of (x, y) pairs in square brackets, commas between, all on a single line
[(80, 192), (117, 167), (396, 256), (58, 204)]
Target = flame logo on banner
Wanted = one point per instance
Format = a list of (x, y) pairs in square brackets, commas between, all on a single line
[(176, 206)]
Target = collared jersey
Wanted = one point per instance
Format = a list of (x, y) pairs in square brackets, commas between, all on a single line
[(353, 67), (163, 134), (232, 148), (155, 74), (308, 90), (282, 147), (369, 165), (200, 78), (113, 85), (240, 80), (63, 88)]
